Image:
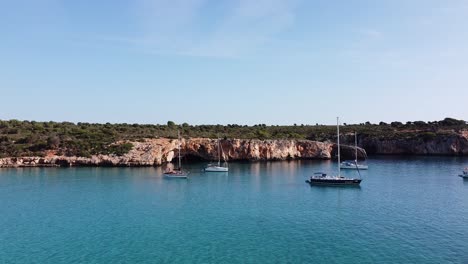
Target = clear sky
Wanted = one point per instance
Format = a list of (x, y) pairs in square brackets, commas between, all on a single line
[(237, 61)]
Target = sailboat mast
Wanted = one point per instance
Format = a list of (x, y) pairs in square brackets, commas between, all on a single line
[(219, 152), (338, 141), (178, 147), (355, 144)]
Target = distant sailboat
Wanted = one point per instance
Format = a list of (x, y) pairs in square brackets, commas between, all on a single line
[(323, 179), (464, 174), (177, 173), (353, 164), (218, 167)]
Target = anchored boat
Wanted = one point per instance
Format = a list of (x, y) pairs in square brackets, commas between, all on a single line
[(323, 179), (218, 167), (353, 164), (177, 173), (464, 174)]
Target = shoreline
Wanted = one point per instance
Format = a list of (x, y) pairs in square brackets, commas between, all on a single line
[(31, 162)]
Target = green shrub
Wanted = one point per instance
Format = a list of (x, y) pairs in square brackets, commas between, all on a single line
[(428, 136), (120, 149)]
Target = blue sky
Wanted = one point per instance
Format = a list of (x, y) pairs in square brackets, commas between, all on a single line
[(225, 62)]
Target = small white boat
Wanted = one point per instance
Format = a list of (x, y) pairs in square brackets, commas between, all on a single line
[(464, 174), (353, 164), (177, 173), (217, 167)]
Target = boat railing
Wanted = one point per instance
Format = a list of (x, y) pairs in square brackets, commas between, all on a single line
[(320, 174)]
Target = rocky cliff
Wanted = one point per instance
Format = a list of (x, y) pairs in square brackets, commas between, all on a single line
[(154, 152), (449, 143)]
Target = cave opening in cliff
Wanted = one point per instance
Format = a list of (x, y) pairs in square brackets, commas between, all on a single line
[(192, 158)]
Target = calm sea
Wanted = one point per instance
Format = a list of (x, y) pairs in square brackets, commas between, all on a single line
[(407, 210)]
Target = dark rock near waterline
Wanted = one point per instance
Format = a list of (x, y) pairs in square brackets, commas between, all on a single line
[(450, 144), (349, 152)]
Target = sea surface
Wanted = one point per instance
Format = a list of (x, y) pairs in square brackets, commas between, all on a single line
[(407, 210)]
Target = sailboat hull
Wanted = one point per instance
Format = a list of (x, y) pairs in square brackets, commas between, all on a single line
[(334, 182), (176, 174), (216, 169), (352, 166)]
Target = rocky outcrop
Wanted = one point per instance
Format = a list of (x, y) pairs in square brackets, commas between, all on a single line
[(449, 143), (154, 152), (238, 149)]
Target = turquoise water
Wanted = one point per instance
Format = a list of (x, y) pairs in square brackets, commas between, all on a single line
[(406, 211)]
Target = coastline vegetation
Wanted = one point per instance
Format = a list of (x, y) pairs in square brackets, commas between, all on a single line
[(31, 138)]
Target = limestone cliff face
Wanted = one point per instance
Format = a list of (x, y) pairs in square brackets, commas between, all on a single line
[(239, 149), (153, 152), (451, 144)]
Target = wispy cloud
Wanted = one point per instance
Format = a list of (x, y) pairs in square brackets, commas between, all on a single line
[(180, 26), (249, 25)]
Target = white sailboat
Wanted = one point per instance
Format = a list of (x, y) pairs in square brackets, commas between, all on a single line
[(353, 164), (217, 167), (323, 179), (177, 173)]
